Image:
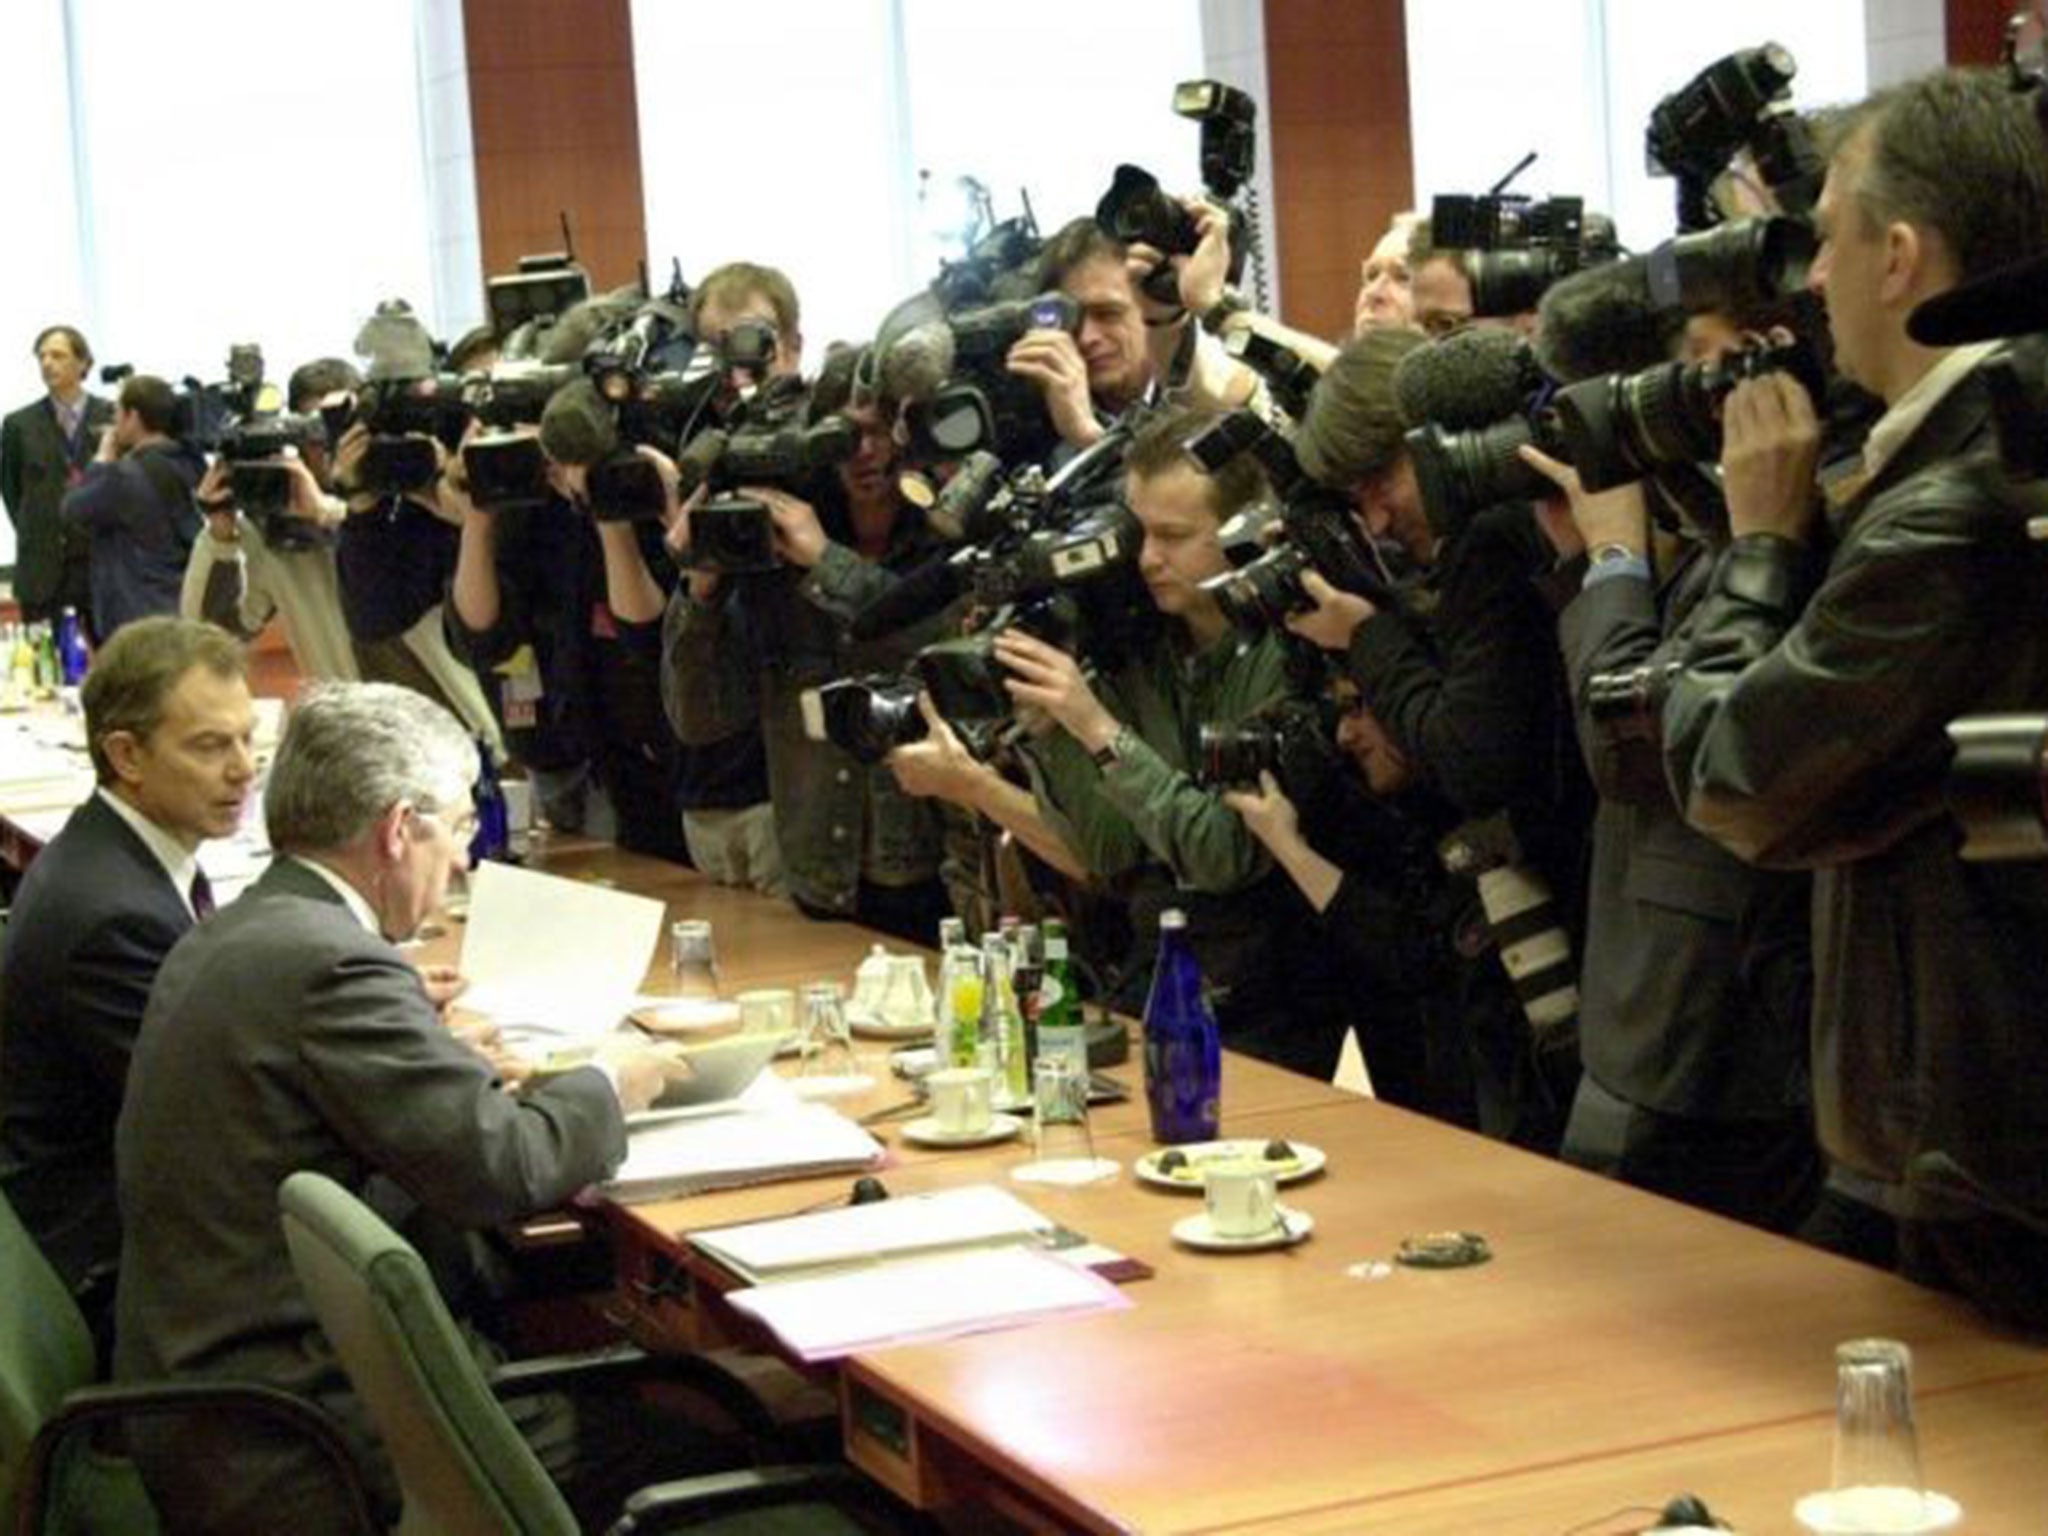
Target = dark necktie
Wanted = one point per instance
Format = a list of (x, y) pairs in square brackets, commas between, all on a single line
[(202, 895)]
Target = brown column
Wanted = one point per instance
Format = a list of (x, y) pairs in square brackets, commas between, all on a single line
[(556, 129), (1976, 29), (1337, 83)]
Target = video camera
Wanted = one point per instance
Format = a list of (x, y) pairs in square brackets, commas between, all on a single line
[(1318, 531), (733, 533), (1625, 427), (201, 413), (982, 405), (1743, 101), (1515, 246)]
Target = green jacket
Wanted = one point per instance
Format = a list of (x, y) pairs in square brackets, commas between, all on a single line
[(1146, 806)]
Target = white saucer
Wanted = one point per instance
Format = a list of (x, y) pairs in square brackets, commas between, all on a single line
[(925, 1132), (1067, 1172), (1306, 1163), (1196, 1232), (872, 1026), (1819, 1512)]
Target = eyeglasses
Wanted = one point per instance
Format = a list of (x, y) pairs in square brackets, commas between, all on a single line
[(462, 829)]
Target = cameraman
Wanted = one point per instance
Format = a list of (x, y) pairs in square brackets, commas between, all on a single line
[(134, 501), (1115, 780), (738, 652), (1831, 650), (1475, 696), (239, 580), (395, 555)]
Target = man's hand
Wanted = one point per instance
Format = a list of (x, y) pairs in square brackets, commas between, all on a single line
[(1335, 617), (1618, 515), (641, 1068), (1052, 680), (488, 1041), (1052, 360), (1770, 447), (348, 457), (216, 499), (1201, 277), (939, 767), (676, 539), (1268, 814), (799, 536), (109, 449), (442, 984), (308, 501)]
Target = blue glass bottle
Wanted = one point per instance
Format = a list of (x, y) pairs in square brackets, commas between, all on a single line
[(1183, 1054), (493, 838), (71, 655)]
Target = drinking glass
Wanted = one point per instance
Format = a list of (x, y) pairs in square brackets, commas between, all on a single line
[(692, 958), (1062, 1145)]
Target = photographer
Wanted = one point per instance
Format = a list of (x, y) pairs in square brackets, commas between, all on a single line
[(1115, 779), (1807, 728), (1386, 284), (1132, 349), (1475, 696), (236, 578), (134, 501), (739, 650)]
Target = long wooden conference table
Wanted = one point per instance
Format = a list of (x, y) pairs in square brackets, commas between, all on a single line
[(1617, 1350)]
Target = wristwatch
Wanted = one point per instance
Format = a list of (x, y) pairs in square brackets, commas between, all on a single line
[(1107, 757), (1610, 554), (1216, 316)]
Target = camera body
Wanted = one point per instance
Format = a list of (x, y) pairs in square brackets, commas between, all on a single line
[(406, 417), (252, 447), (868, 716), (1294, 740), (1739, 102), (1515, 246)]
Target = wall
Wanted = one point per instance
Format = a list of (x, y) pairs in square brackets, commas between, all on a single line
[(1337, 74), (555, 127)]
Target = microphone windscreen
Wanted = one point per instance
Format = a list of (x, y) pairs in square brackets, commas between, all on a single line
[(577, 427), (916, 363), (698, 458), (571, 336), (1468, 380), (1603, 320)]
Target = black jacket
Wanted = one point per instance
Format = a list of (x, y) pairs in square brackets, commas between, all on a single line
[(1810, 733)]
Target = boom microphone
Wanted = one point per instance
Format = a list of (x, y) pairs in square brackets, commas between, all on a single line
[(1466, 381), (1603, 320), (916, 363), (920, 594)]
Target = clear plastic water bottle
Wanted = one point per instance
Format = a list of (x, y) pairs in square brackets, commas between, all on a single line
[(1183, 1052)]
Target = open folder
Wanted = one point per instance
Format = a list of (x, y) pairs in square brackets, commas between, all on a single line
[(688, 1156), (978, 1216)]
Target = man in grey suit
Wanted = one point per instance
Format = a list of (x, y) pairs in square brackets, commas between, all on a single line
[(44, 448), (168, 721), (289, 1032)]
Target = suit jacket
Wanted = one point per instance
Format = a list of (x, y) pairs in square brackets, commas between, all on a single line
[(283, 1035), (36, 468), (95, 917)]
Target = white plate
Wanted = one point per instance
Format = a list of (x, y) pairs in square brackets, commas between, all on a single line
[(1822, 1512), (1306, 1163), (1196, 1232), (872, 1026), (925, 1132), (719, 1069)]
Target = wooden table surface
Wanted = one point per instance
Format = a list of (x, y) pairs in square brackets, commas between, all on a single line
[(1617, 1350)]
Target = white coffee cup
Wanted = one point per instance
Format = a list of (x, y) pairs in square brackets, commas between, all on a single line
[(769, 1010), (961, 1100), (1243, 1199)]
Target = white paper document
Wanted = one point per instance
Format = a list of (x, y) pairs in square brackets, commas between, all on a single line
[(692, 1155), (554, 963), (918, 1300), (978, 1216)]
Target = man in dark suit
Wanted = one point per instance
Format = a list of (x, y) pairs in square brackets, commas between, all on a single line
[(44, 449), (290, 1033), (168, 719)]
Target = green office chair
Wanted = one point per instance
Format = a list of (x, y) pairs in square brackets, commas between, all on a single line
[(462, 1465), (53, 1478)]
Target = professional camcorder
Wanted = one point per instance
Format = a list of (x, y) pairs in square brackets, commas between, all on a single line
[(1517, 246), (1318, 531), (1627, 426), (201, 413), (1737, 103), (733, 533)]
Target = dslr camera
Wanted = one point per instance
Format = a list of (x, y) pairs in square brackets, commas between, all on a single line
[(1294, 740), (1516, 246), (867, 717), (1743, 101)]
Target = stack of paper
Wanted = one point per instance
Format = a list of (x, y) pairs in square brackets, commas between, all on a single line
[(979, 1216), (923, 1299), (690, 1156)]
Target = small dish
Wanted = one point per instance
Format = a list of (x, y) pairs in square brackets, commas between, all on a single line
[(1306, 1162), (1823, 1513), (925, 1132), (1197, 1232), (685, 1017), (872, 1026)]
